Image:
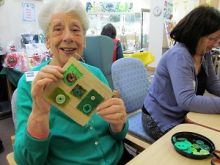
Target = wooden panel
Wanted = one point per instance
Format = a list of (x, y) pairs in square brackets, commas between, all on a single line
[(87, 81)]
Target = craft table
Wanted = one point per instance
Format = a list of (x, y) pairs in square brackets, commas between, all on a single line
[(162, 151)]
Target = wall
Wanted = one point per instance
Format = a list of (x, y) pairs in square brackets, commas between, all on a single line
[(182, 7), (11, 24), (156, 30), (137, 4), (214, 3)]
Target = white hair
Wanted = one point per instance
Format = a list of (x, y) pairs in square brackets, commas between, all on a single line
[(67, 6)]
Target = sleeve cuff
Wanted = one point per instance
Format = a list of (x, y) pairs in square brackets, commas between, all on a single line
[(121, 135), (36, 144)]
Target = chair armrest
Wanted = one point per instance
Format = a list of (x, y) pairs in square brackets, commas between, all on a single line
[(136, 142), (12, 139), (10, 159)]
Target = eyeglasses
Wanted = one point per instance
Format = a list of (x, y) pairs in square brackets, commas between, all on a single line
[(213, 39)]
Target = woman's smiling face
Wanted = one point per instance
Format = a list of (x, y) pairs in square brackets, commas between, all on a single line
[(209, 42), (65, 37)]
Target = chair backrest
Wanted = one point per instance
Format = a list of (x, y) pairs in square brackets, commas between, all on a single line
[(98, 52), (13, 106), (130, 78)]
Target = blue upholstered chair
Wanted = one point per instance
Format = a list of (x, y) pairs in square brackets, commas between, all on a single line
[(131, 80), (98, 52)]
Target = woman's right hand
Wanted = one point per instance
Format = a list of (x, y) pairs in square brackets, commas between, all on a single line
[(47, 75)]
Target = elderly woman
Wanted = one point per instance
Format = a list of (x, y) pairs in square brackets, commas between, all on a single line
[(184, 73), (44, 135)]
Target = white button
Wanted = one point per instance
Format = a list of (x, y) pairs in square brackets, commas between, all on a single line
[(96, 143), (91, 127)]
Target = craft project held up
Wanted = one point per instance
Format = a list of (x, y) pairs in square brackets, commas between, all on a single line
[(78, 93)]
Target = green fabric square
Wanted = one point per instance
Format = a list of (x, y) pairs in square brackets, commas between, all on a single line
[(59, 97), (78, 91), (90, 102), (71, 75)]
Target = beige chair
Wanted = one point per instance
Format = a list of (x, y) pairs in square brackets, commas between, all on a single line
[(10, 156), (10, 159)]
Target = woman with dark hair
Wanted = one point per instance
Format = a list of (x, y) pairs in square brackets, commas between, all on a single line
[(110, 31), (184, 73)]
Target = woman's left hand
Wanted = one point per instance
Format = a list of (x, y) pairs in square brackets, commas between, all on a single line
[(113, 111)]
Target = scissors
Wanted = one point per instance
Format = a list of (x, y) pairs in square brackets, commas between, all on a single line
[(216, 157)]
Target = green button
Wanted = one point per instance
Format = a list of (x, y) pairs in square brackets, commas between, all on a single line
[(204, 152), (181, 145), (90, 102), (71, 75), (196, 146), (78, 91), (87, 108), (60, 99), (205, 147), (199, 142)]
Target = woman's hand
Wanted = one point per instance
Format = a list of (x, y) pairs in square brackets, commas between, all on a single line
[(47, 75), (113, 111), (38, 122)]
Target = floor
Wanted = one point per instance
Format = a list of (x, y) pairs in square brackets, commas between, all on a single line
[(6, 131)]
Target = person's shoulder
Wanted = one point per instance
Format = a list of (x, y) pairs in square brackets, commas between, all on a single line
[(178, 51), (178, 47), (91, 68), (38, 67), (97, 72), (178, 55), (23, 80), (118, 43), (115, 40)]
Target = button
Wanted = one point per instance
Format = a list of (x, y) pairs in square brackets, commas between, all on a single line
[(91, 127), (87, 108), (71, 77), (78, 91), (181, 145), (96, 143), (60, 99), (92, 98)]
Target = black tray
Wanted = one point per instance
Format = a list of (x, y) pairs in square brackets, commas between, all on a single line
[(199, 142)]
